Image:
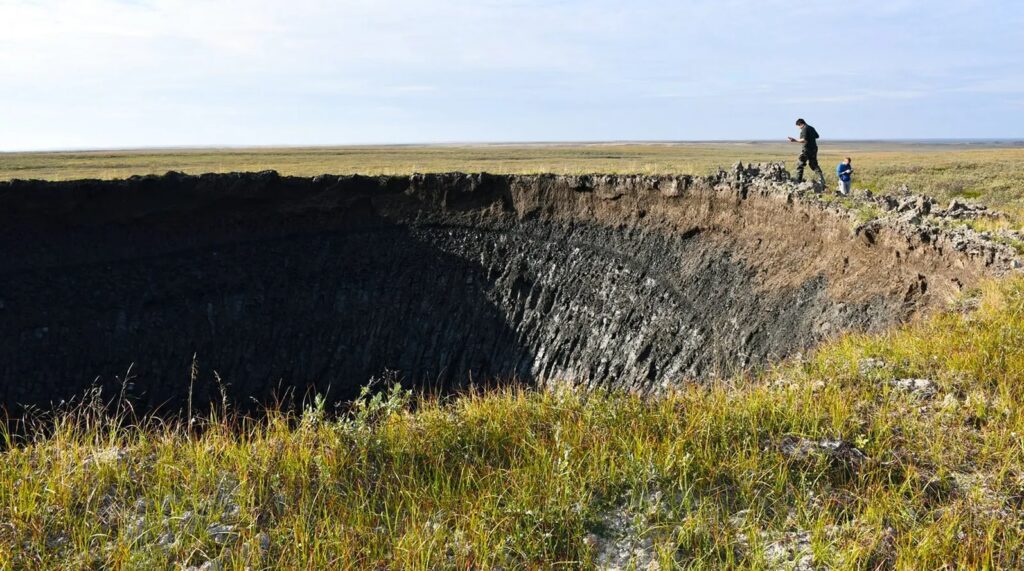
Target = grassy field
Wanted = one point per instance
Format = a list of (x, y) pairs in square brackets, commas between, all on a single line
[(831, 461), (988, 173)]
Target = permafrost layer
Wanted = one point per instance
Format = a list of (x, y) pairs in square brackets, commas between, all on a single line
[(320, 284)]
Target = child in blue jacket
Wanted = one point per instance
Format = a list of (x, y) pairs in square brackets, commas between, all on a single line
[(844, 171)]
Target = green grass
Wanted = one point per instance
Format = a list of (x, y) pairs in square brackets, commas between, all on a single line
[(517, 479), (990, 174)]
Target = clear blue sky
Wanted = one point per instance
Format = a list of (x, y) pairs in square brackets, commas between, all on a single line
[(120, 73)]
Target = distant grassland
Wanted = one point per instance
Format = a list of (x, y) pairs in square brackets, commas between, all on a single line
[(990, 174)]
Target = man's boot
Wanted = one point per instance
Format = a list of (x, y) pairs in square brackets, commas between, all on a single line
[(821, 177)]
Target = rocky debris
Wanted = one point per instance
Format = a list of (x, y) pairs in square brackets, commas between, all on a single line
[(916, 205), (870, 366), (781, 550), (959, 210), (221, 533), (835, 451), (625, 540), (949, 403), (912, 215), (166, 539), (137, 526), (790, 551), (263, 542), (212, 565), (621, 546), (987, 245), (771, 172), (57, 540), (231, 512), (186, 522), (921, 388), (106, 456)]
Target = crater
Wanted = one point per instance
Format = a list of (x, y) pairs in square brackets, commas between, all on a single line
[(280, 284)]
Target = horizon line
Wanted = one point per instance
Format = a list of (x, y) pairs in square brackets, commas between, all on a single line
[(994, 141)]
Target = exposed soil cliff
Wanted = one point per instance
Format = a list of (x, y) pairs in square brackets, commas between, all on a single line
[(277, 282)]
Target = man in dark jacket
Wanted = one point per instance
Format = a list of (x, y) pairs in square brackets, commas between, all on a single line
[(809, 151)]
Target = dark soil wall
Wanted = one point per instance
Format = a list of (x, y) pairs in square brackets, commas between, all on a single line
[(311, 284)]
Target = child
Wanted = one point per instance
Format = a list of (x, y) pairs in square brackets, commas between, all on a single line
[(844, 171)]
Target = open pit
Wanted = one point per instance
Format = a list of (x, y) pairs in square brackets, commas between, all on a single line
[(277, 283)]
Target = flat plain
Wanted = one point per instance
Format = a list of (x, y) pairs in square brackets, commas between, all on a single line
[(987, 172)]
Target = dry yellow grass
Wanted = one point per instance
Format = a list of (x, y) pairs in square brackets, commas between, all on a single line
[(838, 461)]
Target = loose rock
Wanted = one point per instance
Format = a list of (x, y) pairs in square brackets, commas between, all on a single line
[(922, 388)]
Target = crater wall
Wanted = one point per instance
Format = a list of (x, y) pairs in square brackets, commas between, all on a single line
[(282, 283)]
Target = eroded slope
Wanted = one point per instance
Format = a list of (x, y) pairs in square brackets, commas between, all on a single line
[(284, 282)]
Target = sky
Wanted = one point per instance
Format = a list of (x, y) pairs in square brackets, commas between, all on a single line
[(81, 74)]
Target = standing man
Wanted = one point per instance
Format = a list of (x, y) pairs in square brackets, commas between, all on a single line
[(809, 151)]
